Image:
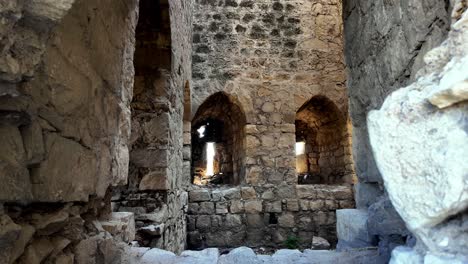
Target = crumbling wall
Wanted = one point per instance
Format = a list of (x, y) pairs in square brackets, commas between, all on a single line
[(385, 45), (155, 191), (64, 111)]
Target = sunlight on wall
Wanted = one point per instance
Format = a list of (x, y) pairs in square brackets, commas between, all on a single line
[(210, 154)]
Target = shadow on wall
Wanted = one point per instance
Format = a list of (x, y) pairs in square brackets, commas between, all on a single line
[(323, 154), (218, 142)]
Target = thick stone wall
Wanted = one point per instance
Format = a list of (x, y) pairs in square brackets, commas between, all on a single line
[(385, 45), (271, 58), (64, 127), (156, 186), (259, 217)]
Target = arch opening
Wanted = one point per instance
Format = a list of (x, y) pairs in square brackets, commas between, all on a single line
[(218, 142), (321, 143)]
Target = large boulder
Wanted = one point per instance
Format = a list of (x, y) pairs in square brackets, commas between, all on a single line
[(420, 142)]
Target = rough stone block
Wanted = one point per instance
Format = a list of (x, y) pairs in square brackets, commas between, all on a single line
[(206, 208), (204, 222), (292, 205), (248, 193), (367, 194), (306, 191), (286, 220), (232, 194), (121, 225), (237, 207), (273, 207), (199, 195), (352, 231), (233, 220), (252, 207), (221, 208)]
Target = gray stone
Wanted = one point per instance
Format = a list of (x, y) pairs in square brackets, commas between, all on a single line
[(153, 230), (158, 256), (232, 194), (207, 256), (253, 206), (273, 207), (239, 255), (367, 194), (384, 220), (320, 243), (121, 225), (351, 229), (199, 196)]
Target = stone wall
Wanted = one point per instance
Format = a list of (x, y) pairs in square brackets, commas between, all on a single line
[(65, 93), (270, 58), (155, 190), (259, 216), (385, 45)]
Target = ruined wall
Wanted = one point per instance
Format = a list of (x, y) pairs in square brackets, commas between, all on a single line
[(255, 217), (155, 191), (270, 58), (64, 125), (385, 45)]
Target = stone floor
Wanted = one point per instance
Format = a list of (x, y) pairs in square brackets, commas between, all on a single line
[(244, 255)]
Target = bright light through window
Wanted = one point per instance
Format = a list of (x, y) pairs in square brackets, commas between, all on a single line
[(201, 131), (210, 154), (300, 148)]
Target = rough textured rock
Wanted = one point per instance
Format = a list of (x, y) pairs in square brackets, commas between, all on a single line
[(428, 190), (320, 243), (352, 231)]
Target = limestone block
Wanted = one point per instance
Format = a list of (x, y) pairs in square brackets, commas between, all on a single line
[(233, 220), (158, 256), (221, 208), (252, 207), (237, 207), (320, 243), (351, 229), (292, 205), (155, 181), (204, 222), (239, 255), (287, 256), (193, 208), (306, 191), (286, 220), (16, 185), (248, 193), (217, 195), (273, 207), (208, 256), (232, 194), (199, 195), (121, 225), (206, 208)]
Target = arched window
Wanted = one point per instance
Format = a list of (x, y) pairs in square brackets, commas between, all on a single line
[(218, 142), (321, 143)]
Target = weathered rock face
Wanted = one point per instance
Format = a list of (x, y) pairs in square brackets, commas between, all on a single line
[(385, 45), (429, 190), (66, 132)]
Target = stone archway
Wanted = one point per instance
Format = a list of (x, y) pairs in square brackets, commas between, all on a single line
[(218, 141), (322, 143)]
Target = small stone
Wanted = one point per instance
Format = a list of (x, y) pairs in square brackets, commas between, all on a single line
[(320, 243), (273, 207), (292, 205)]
